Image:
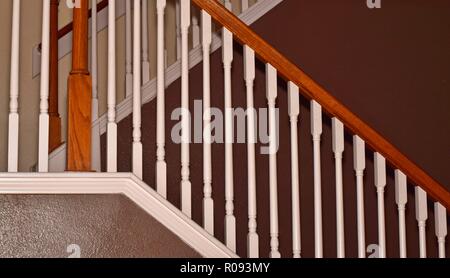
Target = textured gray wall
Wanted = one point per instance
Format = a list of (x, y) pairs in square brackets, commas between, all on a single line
[(104, 226)]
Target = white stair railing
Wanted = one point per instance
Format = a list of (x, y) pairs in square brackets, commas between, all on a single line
[(254, 242)]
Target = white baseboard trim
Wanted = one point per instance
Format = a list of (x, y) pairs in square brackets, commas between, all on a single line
[(122, 183), (173, 73)]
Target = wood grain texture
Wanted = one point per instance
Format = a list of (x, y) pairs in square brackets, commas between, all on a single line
[(312, 90), (79, 118), (55, 120), (80, 96)]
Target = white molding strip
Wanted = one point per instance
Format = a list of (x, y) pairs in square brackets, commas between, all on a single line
[(173, 73), (123, 183)]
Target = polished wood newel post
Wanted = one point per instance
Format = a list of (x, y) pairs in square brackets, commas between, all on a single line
[(55, 120), (80, 95)]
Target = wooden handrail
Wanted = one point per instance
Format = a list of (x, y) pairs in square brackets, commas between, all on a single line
[(69, 27), (331, 105)]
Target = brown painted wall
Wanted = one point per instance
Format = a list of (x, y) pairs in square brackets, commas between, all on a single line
[(104, 226), (390, 66)]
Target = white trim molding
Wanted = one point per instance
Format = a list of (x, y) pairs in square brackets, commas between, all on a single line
[(125, 184)]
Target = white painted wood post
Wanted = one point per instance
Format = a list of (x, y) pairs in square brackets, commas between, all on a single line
[(186, 198), (95, 146), (137, 134), (111, 138), (244, 5), (128, 50), (359, 163), (401, 198), (294, 112), (230, 219), (249, 76), (195, 29), (440, 214), (178, 27), (380, 184), (208, 203), (316, 131), (44, 90), (338, 149), (161, 166), (272, 93), (13, 125), (145, 59), (421, 217)]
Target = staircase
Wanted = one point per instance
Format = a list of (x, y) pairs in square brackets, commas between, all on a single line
[(348, 192)]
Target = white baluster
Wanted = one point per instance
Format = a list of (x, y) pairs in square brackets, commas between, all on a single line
[(208, 203), (316, 131), (128, 50), (244, 5), (186, 205), (338, 149), (13, 127), (161, 166), (359, 163), (145, 59), (401, 198), (380, 184), (137, 144), (111, 154), (249, 76), (195, 30), (294, 112), (272, 93), (440, 214), (95, 147), (230, 220), (421, 217), (45, 65), (178, 27)]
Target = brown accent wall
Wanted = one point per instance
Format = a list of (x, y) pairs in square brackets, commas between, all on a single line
[(104, 226), (390, 66)]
